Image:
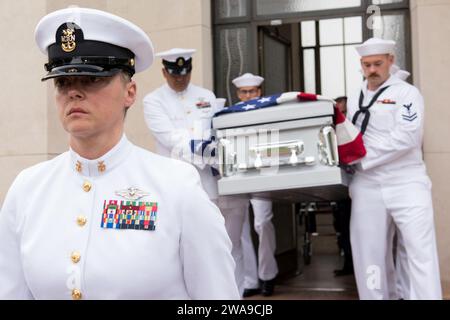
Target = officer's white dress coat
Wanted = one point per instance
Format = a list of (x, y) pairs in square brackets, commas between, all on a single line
[(187, 256), (177, 118), (391, 186)]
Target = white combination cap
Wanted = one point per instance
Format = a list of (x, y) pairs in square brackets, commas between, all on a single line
[(83, 41), (177, 61), (248, 80), (172, 55), (375, 46)]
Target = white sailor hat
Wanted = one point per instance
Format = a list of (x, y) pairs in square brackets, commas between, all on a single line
[(177, 60), (82, 41), (375, 46), (248, 80)]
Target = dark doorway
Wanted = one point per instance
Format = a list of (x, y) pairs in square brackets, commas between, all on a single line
[(275, 58)]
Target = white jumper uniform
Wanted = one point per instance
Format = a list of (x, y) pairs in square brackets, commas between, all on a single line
[(70, 229), (390, 187)]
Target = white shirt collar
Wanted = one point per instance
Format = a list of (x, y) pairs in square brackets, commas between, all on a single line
[(104, 164)]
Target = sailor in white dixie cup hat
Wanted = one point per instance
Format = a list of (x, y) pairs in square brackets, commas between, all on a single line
[(390, 187), (107, 219), (248, 80), (249, 87)]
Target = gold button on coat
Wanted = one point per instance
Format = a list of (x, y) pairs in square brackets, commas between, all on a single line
[(76, 294), (87, 186), (81, 221), (75, 256)]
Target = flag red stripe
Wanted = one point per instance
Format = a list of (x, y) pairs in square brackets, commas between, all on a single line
[(338, 116), (352, 151), (306, 96)]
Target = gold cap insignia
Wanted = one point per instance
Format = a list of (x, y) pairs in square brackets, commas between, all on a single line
[(181, 61), (68, 40)]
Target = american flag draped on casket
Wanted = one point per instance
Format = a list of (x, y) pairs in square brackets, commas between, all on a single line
[(286, 146)]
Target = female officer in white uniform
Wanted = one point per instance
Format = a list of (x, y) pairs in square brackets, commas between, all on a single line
[(107, 220)]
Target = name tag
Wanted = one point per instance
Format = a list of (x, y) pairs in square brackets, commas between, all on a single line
[(134, 215)]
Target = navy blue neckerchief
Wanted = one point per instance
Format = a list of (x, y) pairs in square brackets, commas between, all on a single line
[(365, 110)]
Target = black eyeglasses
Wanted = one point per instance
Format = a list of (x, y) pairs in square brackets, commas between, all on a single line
[(246, 92)]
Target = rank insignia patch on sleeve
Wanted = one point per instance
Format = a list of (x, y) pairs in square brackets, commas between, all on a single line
[(409, 116), (129, 215)]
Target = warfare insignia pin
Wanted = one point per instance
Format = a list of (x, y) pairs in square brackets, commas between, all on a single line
[(132, 193)]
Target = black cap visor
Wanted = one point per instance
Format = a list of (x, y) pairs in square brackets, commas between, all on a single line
[(88, 66), (81, 70), (72, 55), (180, 67)]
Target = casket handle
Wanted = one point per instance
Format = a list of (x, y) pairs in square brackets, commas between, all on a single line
[(284, 148), (227, 158), (328, 151), (290, 149)]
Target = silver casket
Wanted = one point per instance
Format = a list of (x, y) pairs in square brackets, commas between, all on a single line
[(285, 152)]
